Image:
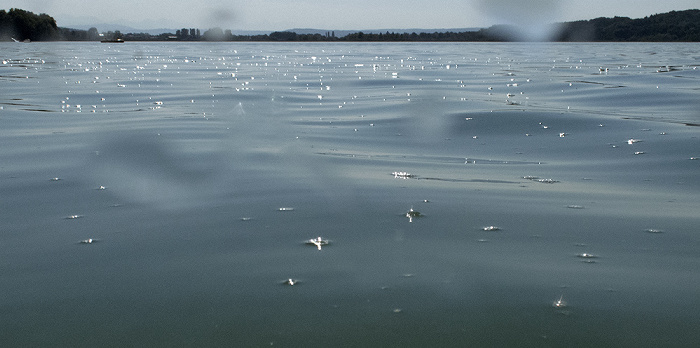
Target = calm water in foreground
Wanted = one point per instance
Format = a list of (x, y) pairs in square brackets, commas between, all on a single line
[(160, 194)]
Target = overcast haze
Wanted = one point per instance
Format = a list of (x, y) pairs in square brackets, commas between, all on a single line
[(274, 15)]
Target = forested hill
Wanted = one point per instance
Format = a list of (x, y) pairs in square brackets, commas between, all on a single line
[(24, 25), (671, 26)]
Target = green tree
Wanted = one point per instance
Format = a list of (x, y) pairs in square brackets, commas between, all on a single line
[(24, 25)]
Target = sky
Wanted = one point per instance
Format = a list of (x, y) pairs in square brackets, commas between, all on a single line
[(272, 15)]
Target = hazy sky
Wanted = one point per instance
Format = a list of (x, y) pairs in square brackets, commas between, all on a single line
[(333, 14)]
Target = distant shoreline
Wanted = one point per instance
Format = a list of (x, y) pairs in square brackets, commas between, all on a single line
[(674, 26)]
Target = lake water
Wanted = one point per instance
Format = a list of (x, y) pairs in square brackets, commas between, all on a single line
[(160, 194)]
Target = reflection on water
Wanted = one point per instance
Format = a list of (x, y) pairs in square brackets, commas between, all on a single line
[(196, 177)]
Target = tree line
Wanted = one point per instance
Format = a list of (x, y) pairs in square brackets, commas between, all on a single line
[(671, 26), (23, 25)]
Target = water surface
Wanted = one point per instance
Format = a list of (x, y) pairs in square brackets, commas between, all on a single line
[(199, 170)]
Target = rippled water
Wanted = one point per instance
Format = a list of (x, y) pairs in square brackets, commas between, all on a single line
[(163, 194)]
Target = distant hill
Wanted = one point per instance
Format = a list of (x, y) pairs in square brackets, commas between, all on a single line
[(674, 26), (670, 26), (342, 33), (105, 27)]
